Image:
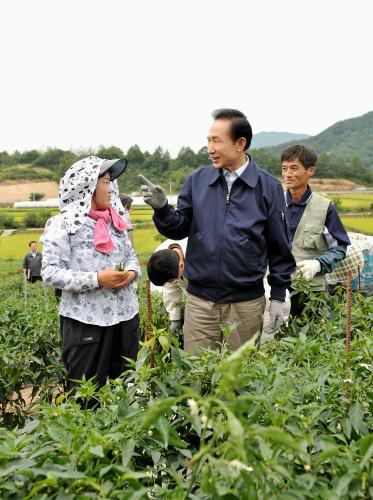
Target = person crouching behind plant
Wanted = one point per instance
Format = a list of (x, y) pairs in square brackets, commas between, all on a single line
[(166, 269), (127, 205), (81, 248)]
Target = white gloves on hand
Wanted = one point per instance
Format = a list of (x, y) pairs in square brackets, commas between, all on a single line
[(155, 196), (276, 315), (309, 268)]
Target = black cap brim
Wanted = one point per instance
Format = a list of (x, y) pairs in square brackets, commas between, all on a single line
[(114, 168)]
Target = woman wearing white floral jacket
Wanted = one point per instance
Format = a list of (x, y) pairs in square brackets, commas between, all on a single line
[(82, 247)]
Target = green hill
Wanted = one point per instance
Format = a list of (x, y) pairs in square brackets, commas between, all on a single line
[(347, 139), (24, 172), (265, 139), (345, 150)]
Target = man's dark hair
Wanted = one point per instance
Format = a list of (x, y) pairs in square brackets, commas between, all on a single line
[(33, 241), (126, 200), (306, 156), (240, 126), (163, 266)]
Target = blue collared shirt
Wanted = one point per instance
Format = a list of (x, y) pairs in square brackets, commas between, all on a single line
[(230, 177)]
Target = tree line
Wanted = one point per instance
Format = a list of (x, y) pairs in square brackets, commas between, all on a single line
[(159, 166)]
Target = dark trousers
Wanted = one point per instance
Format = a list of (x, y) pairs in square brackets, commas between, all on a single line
[(297, 303), (35, 278), (97, 351)]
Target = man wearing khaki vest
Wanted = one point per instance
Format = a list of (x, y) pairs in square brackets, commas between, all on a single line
[(319, 238)]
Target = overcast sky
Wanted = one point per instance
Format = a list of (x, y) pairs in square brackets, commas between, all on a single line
[(84, 73)]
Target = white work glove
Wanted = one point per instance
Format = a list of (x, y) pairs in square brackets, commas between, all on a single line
[(309, 268), (155, 196), (276, 316), (175, 326)]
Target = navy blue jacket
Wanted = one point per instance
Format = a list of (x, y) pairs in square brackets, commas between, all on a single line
[(232, 237)]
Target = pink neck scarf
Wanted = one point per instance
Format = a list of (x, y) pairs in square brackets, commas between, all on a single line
[(101, 238)]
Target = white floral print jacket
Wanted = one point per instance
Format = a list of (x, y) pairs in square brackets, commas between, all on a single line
[(70, 262)]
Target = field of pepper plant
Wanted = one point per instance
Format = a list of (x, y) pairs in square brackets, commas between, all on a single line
[(290, 420)]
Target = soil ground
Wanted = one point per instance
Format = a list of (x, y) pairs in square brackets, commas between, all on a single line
[(333, 185), (11, 192)]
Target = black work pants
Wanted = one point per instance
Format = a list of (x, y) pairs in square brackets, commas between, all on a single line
[(97, 351), (35, 278), (297, 303)]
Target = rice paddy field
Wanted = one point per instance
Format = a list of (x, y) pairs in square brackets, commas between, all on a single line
[(354, 201), (14, 247), (358, 224), (138, 214)]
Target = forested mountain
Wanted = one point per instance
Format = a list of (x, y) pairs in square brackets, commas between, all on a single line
[(345, 150), (347, 139), (266, 139)]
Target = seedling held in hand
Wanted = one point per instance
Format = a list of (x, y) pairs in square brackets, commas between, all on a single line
[(119, 267)]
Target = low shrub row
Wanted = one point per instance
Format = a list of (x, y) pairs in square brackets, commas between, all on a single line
[(30, 348), (31, 219), (30, 345), (289, 420)]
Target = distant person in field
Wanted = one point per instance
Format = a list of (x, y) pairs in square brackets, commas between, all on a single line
[(233, 214), (82, 246), (32, 263), (166, 269), (319, 239), (127, 205)]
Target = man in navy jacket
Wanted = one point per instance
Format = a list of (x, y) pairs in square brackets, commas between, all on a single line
[(234, 216)]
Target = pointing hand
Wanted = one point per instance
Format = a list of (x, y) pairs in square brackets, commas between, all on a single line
[(155, 196)]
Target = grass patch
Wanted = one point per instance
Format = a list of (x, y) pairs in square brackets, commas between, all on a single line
[(358, 224), (10, 268)]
